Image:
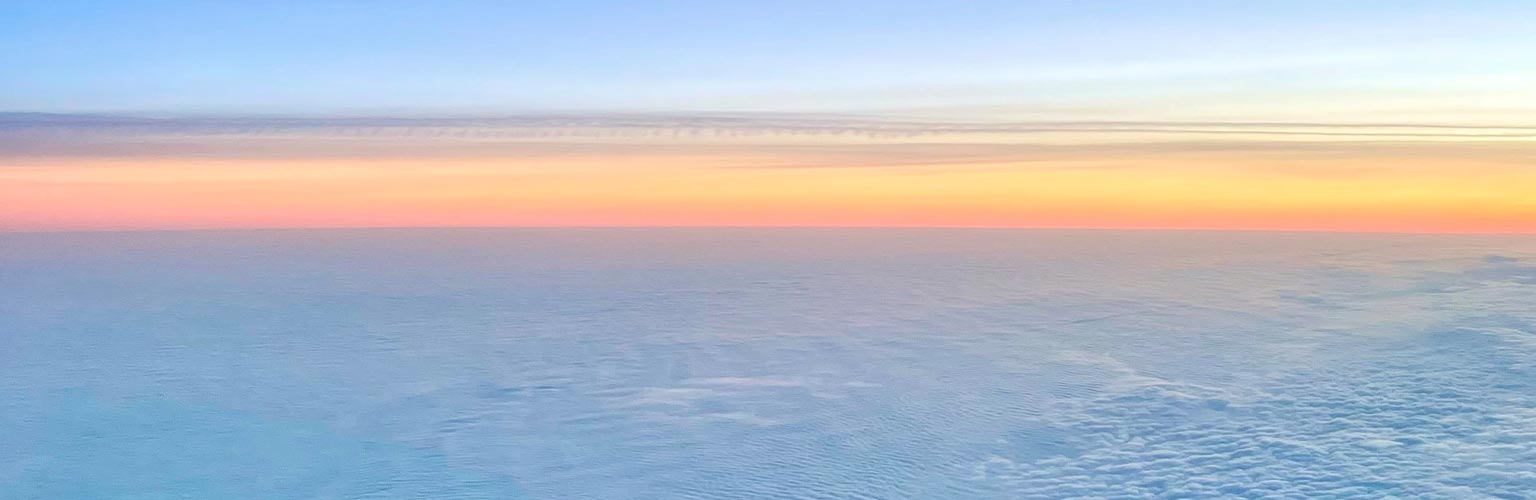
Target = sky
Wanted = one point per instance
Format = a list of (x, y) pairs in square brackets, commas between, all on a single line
[(1296, 115)]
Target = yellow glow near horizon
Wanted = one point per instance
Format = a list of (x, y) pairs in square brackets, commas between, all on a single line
[(1223, 191)]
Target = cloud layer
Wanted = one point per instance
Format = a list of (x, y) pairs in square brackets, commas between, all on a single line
[(785, 140)]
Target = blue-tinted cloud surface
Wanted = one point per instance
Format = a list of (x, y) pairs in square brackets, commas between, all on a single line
[(713, 363)]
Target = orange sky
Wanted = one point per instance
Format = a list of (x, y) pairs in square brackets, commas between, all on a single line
[(1224, 190)]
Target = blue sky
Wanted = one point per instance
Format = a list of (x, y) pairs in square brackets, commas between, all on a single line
[(850, 56)]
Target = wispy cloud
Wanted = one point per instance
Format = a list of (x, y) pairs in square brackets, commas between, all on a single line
[(599, 125), (800, 139)]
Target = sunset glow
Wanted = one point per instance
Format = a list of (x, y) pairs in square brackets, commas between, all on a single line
[(1228, 190), (1308, 127)]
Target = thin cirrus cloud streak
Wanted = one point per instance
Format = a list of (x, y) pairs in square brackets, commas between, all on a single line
[(65, 172), (39, 135), (661, 125)]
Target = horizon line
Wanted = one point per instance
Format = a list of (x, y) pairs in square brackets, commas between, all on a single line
[(778, 226)]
